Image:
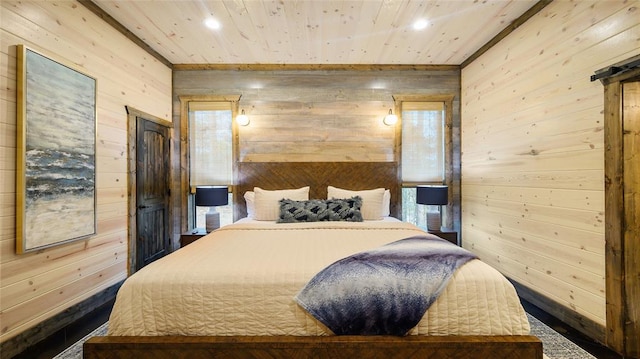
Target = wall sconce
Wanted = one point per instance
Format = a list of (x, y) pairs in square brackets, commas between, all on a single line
[(390, 119), (212, 196), (433, 195), (242, 119)]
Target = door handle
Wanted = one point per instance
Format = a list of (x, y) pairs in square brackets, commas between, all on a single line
[(143, 207)]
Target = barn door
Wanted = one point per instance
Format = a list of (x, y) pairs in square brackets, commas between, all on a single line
[(631, 227), (152, 192), (622, 204)]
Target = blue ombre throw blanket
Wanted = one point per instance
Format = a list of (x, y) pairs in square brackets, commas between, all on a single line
[(384, 291)]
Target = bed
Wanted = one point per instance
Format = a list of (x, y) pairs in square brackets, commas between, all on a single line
[(231, 293)]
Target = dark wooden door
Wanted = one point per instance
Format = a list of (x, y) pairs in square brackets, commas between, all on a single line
[(152, 192)]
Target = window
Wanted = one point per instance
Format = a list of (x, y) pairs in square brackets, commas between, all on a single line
[(422, 142), (210, 153), (423, 153)]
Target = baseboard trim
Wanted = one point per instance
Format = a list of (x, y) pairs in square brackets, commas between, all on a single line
[(578, 322), (49, 327)]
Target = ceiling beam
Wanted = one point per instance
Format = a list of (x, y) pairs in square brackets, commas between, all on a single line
[(308, 67), (506, 31), (123, 30)]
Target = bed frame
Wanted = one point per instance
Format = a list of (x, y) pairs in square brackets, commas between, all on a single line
[(338, 347), (317, 175)]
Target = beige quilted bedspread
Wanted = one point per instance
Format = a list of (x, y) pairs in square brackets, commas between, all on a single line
[(241, 280)]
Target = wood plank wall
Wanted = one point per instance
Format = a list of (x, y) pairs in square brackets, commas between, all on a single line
[(315, 113), (36, 286), (533, 156)]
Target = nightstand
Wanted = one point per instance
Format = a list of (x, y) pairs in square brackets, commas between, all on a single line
[(451, 236), (190, 237)]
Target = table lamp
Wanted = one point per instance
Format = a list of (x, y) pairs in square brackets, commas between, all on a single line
[(433, 195), (212, 196)]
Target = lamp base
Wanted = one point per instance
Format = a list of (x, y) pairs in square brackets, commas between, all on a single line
[(212, 220), (433, 221)]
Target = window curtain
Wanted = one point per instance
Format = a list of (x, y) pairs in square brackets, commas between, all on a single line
[(422, 142), (210, 141)]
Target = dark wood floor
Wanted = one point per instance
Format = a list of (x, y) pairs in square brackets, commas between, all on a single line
[(595, 349), (62, 339)]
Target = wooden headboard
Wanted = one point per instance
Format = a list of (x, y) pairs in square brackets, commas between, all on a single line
[(317, 175)]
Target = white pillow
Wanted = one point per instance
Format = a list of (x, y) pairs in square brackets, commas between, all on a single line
[(386, 203), (267, 206), (249, 198), (372, 200)]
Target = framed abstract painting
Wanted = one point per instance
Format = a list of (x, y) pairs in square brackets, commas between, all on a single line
[(56, 152)]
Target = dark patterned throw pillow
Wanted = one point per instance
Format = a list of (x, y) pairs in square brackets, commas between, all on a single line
[(317, 210)]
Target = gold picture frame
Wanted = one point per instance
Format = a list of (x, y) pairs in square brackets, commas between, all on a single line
[(56, 152)]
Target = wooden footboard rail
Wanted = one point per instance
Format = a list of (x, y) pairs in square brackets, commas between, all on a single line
[(333, 347)]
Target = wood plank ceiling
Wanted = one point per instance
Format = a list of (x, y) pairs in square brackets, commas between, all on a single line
[(316, 31)]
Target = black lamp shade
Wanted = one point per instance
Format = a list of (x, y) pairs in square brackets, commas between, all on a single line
[(208, 196), (433, 195)]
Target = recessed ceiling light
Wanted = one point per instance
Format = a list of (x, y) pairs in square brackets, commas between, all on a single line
[(212, 23), (420, 24)]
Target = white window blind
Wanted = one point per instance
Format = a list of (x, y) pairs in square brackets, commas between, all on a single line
[(422, 141), (210, 141)]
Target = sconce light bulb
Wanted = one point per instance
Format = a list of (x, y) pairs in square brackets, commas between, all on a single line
[(390, 119), (242, 119)]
